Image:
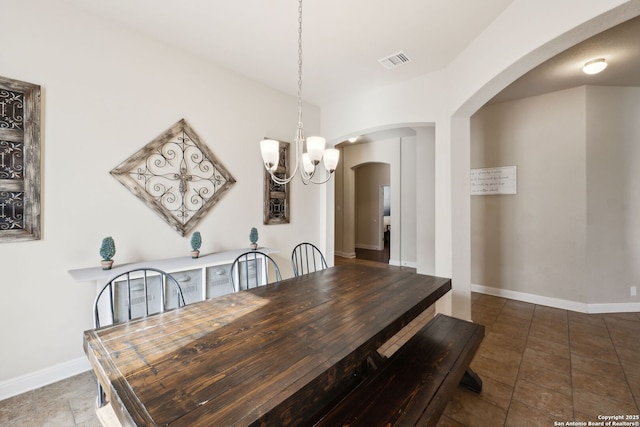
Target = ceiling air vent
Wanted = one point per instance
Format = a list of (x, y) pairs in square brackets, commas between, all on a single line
[(394, 60)]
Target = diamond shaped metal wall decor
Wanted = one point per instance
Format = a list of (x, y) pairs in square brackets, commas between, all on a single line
[(177, 176)]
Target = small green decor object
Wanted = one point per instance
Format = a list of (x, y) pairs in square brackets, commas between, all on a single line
[(107, 251), (253, 237), (196, 242)]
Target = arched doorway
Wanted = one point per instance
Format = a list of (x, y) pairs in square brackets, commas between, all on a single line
[(409, 152)]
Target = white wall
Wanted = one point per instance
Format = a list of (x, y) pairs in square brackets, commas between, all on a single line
[(424, 199), (408, 224), (106, 93)]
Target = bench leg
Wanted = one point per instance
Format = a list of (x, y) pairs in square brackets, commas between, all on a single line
[(374, 362), (471, 381)]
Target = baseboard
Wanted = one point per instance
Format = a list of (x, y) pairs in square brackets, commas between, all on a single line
[(31, 381), (620, 307), (558, 303), (344, 254), (410, 264), (370, 247)]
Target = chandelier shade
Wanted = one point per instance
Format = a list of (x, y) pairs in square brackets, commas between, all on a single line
[(331, 158), (270, 150)]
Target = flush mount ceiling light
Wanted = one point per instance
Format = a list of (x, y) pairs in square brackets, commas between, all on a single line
[(315, 145), (594, 66)]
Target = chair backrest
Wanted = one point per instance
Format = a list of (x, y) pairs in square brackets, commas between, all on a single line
[(307, 258), (136, 293), (253, 269)]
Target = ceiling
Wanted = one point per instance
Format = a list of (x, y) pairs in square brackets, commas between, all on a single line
[(619, 46), (344, 40)]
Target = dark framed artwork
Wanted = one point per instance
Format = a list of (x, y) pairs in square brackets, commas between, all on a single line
[(19, 161), (276, 196), (177, 176)]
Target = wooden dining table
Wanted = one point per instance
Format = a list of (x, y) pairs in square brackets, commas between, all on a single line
[(277, 355)]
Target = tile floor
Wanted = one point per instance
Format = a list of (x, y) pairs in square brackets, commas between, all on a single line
[(539, 366), (67, 403)]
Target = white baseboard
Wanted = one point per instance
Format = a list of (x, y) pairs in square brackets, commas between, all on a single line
[(31, 381), (410, 264), (558, 303), (344, 254), (620, 307)]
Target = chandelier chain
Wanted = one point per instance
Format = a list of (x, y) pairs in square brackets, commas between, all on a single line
[(270, 153), (299, 133)]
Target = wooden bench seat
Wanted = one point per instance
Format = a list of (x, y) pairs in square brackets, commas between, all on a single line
[(413, 386)]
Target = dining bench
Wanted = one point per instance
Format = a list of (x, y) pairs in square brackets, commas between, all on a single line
[(412, 387)]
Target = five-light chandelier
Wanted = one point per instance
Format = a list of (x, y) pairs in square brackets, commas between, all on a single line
[(315, 145)]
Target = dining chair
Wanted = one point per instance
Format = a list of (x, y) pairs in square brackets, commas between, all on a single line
[(307, 258), (135, 294), (253, 269)]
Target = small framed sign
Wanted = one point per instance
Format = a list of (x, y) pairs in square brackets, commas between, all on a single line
[(488, 181)]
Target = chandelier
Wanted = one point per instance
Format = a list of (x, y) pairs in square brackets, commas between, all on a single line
[(315, 145)]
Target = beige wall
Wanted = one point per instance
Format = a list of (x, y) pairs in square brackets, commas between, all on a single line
[(613, 195), (352, 156), (565, 234), (369, 179)]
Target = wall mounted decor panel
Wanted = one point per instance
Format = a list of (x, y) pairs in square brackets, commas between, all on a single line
[(19, 161), (276, 196), (177, 176)]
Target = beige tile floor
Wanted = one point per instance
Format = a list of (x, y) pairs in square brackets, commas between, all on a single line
[(539, 365)]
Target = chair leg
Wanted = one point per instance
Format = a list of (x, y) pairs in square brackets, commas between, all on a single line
[(100, 399)]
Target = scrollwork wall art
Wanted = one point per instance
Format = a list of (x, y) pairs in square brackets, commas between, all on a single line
[(19, 160), (177, 176)]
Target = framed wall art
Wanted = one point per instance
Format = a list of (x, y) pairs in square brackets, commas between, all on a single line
[(276, 196), (177, 176), (19, 161)]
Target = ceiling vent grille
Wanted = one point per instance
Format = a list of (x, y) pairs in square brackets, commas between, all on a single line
[(394, 60)]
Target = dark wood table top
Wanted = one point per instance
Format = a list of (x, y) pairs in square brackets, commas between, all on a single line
[(275, 355)]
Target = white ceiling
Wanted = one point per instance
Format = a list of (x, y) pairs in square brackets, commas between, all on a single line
[(342, 39)]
